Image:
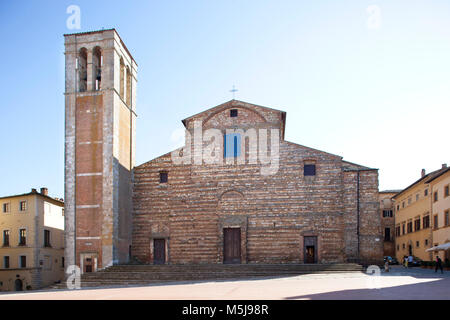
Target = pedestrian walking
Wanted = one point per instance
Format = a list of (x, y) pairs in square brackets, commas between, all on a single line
[(438, 264), (410, 260), (386, 265)]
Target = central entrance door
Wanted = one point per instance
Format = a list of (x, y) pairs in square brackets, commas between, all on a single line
[(159, 251), (232, 245), (310, 249)]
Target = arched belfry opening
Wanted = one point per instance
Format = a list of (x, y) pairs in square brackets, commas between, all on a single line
[(128, 100), (122, 79), (82, 70), (97, 62)]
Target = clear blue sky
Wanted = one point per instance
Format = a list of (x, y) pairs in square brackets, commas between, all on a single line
[(377, 94)]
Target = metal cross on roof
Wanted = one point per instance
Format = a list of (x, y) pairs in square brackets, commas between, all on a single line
[(234, 90)]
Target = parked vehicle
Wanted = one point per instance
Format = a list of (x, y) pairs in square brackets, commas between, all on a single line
[(416, 262), (391, 260)]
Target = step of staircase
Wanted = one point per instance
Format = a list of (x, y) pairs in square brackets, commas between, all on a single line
[(128, 275)]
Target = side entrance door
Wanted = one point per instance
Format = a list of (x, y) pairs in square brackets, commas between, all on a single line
[(310, 249), (159, 251), (232, 245)]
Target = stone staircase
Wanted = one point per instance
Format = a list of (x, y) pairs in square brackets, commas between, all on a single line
[(133, 275)]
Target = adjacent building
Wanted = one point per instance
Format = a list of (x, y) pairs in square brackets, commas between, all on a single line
[(415, 217), (388, 221), (32, 241), (440, 208)]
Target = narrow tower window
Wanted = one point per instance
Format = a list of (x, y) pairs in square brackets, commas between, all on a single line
[(82, 70), (128, 87), (122, 79), (97, 68)]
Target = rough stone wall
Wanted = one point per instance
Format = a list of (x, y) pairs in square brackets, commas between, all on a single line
[(274, 212)]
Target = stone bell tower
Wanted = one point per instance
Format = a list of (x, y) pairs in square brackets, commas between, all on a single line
[(100, 122)]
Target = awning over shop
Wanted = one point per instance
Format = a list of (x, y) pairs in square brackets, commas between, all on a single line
[(445, 246)]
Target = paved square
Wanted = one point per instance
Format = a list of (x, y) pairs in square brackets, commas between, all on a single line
[(398, 284)]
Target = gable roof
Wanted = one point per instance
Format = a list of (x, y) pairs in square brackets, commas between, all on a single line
[(237, 104), (35, 193), (438, 174), (426, 179)]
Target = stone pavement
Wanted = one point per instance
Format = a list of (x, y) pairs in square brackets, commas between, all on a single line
[(398, 284)]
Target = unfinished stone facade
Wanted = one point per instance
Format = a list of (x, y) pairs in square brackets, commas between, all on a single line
[(99, 149), (313, 208)]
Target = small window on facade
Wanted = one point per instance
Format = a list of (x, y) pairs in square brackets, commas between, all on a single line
[(446, 218), (387, 213), (47, 238), (417, 244), (163, 177), (22, 237), (426, 222), (309, 170), (446, 191), (233, 113), (6, 207), (435, 196), (417, 224), (6, 238), (403, 204), (426, 242), (398, 247), (398, 207), (417, 197), (403, 229), (403, 246), (23, 261), (410, 227), (436, 222), (425, 192), (23, 206), (387, 234), (6, 262)]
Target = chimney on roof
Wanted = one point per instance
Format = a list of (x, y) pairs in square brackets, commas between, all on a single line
[(33, 190), (423, 173), (44, 191), (444, 165)]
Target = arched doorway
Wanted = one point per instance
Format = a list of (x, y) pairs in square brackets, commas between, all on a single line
[(18, 284)]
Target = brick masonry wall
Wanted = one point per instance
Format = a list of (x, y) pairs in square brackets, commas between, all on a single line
[(274, 212)]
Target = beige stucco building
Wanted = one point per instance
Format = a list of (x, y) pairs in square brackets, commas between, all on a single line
[(31, 241), (440, 185), (414, 220)]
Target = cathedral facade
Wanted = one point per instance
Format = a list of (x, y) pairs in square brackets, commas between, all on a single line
[(307, 206), (237, 192)]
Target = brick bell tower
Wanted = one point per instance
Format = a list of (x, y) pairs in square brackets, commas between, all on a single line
[(100, 118)]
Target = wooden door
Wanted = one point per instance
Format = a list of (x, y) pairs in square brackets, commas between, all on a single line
[(88, 264), (232, 245), (310, 249), (159, 251)]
